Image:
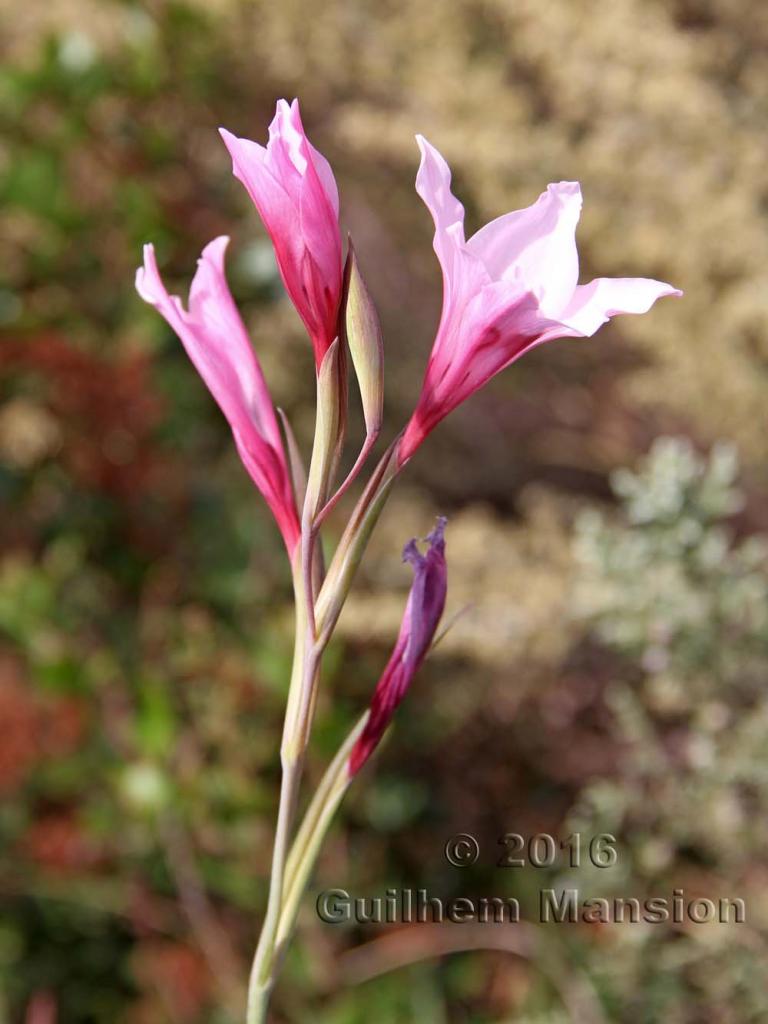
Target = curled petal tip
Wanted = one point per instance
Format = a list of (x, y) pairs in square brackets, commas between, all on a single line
[(227, 137), (427, 149), (411, 552), (150, 259), (148, 282), (215, 250), (430, 154), (435, 538), (567, 195), (219, 242), (437, 535), (568, 188)]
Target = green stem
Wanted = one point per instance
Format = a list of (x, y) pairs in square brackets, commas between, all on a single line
[(290, 872), (306, 659), (296, 728), (262, 975), (314, 826), (353, 543)]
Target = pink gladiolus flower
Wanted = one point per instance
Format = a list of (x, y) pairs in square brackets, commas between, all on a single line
[(216, 341), (293, 188), (510, 287), (426, 601)]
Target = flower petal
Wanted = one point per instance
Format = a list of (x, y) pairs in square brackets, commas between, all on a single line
[(321, 165), (464, 275), (595, 303), (511, 287), (216, 341), (536, 246), (293, 188), (498, 325), (433, 184), (237, 379)]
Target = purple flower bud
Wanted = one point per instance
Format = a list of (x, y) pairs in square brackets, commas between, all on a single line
[(426, 601)]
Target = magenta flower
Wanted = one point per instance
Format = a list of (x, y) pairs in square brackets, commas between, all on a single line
[(293, 188), (426, 601), (216, 341), (510, 287)]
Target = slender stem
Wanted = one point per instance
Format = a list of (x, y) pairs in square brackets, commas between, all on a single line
[(289, 875), (262, 977), (314, 826), (354, 540), (300, 642), (292, 758), (296, 728), (365, 451), (308, 537)]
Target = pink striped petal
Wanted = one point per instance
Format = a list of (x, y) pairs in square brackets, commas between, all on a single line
[(595, 303), (217, 342), (293, 188)]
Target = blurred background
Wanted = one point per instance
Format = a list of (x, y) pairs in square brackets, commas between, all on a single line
[(607, 504)]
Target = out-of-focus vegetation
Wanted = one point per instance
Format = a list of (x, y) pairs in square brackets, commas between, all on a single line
[(686, 604), (609, 671)]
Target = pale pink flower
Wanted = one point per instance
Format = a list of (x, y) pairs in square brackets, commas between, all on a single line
[(293, 188), (423, 610), (511, 286), (217, 342)]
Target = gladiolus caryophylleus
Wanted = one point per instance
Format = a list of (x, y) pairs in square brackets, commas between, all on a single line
[(217, 342), (293, 188), (511, 286), (426, 601)]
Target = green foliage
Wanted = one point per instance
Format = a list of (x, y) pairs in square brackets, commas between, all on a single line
[(671, 588), (658, 589)]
